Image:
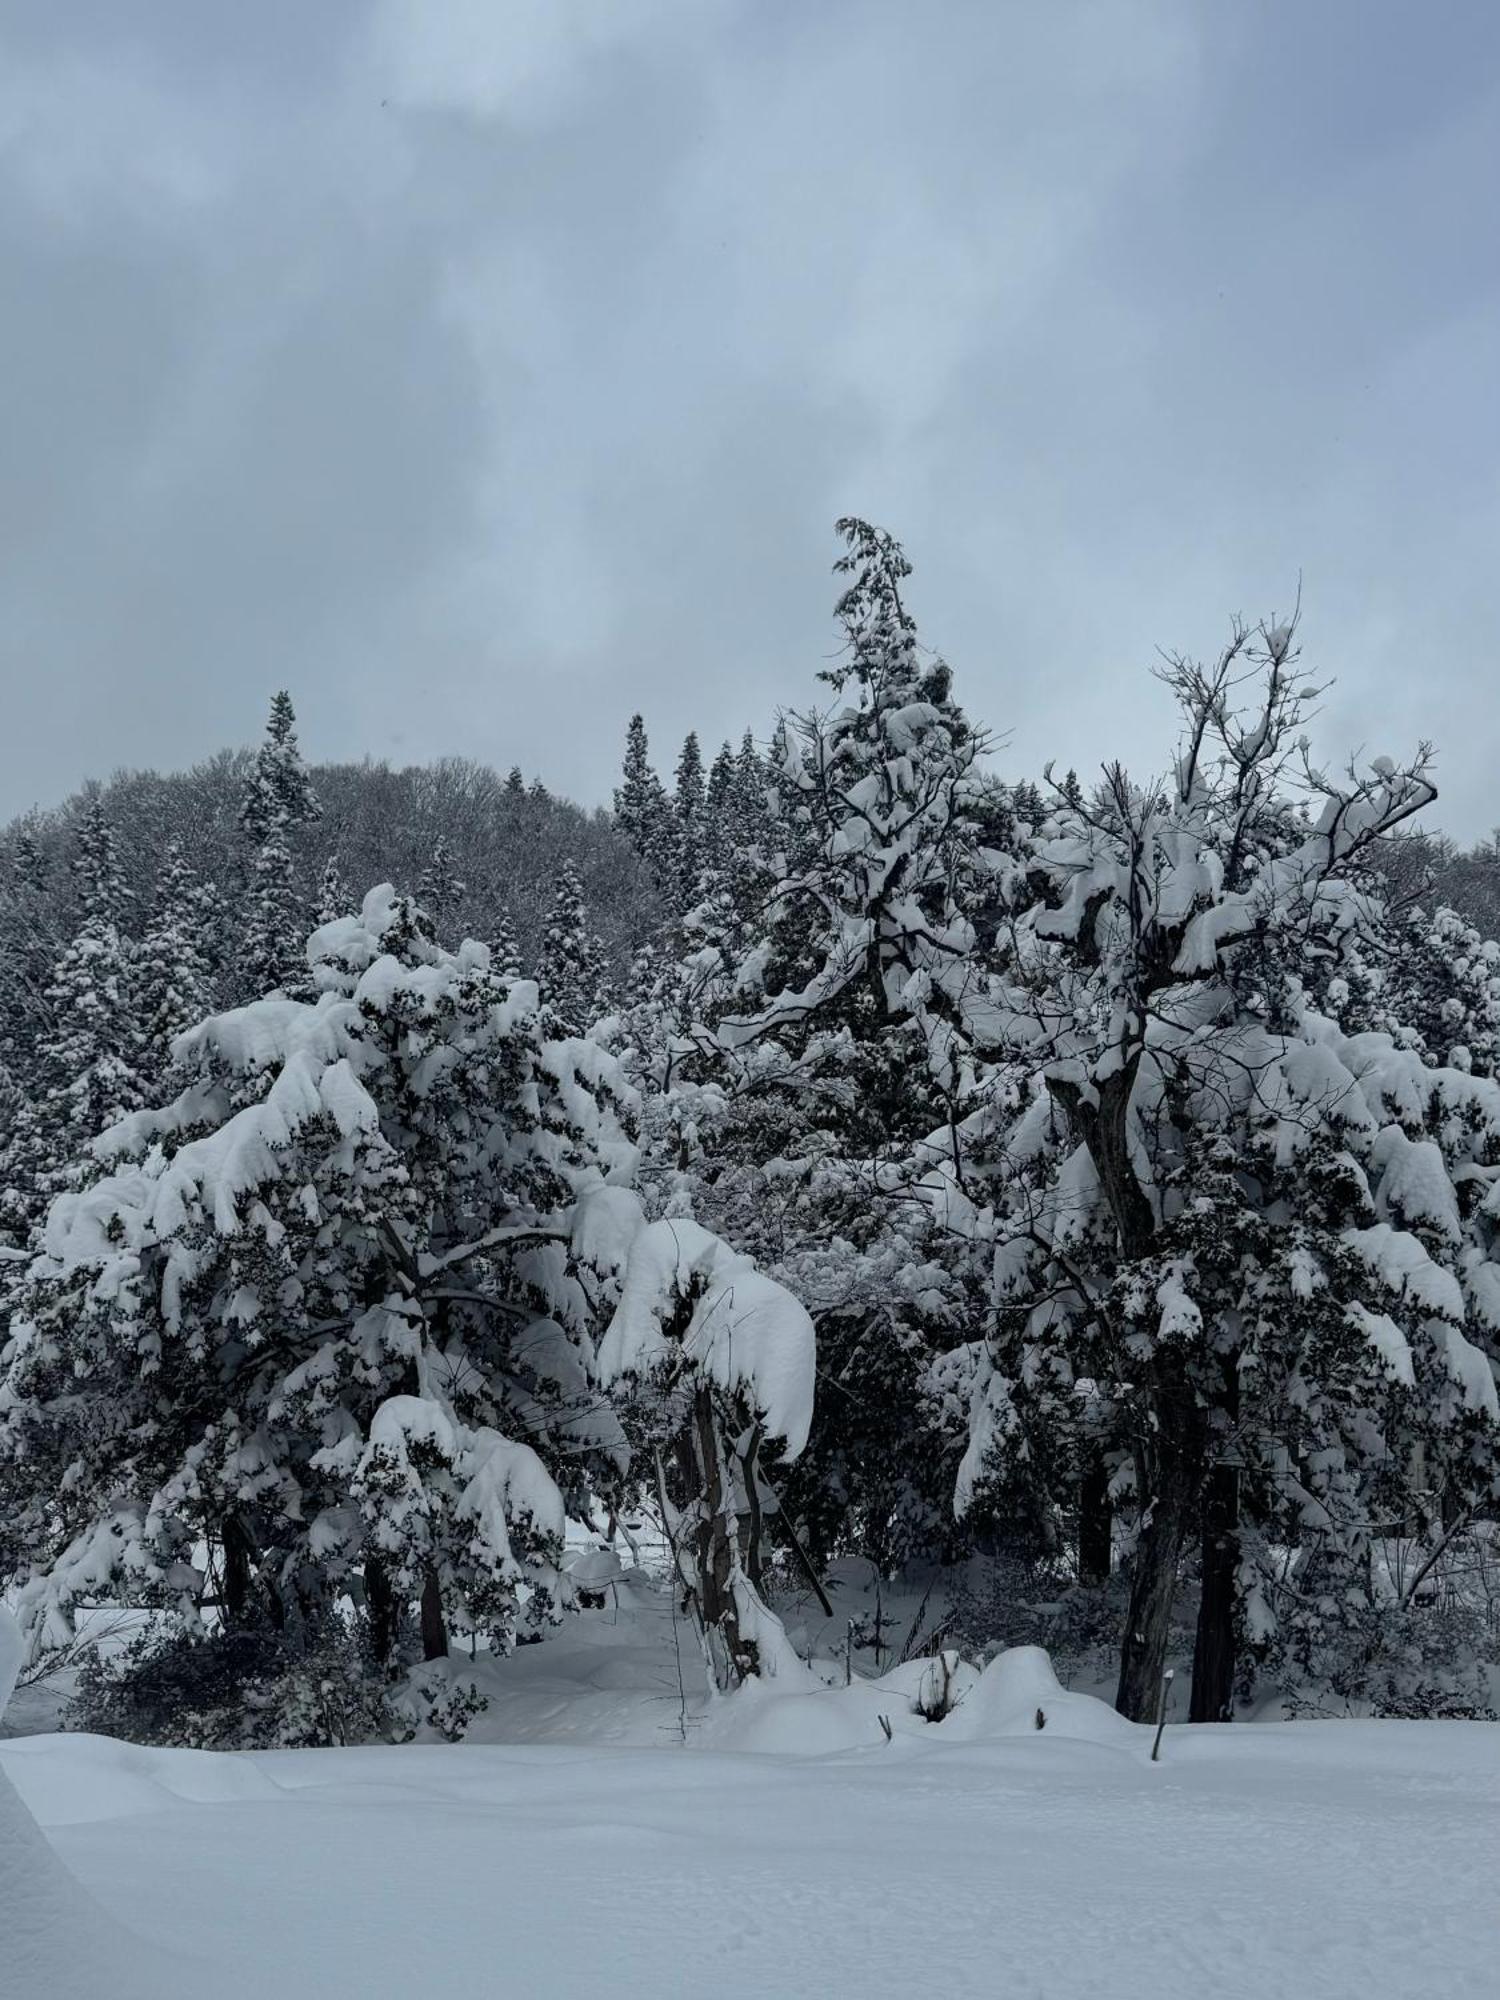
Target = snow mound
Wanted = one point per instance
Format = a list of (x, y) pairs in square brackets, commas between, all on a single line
[(55, 1941), (1017, 1686), (1002, 1701)]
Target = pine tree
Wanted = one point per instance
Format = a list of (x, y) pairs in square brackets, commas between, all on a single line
[(515, 782), (279, 795), (719, 814), (85, 1077), (689, 806), (440, 892), (279, 802), (575, 982), (329, 1316), (270, 958), (643, 811), (173, 979), (31, 937), (781, 1128), (505, 952), (333, 897)]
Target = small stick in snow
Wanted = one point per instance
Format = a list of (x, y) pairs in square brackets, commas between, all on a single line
[(885, 1723), (1161, 1711)]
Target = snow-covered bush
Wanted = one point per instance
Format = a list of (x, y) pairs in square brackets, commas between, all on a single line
[(244, 1689)]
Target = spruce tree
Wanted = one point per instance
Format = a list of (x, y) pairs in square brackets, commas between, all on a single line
[(440, 891), (174, 983), (643, 811), (86, 1076), (689, 808), (279, 802), (574, 969), (505, 952), (809, 1038), (333, 896), (330, 1313)]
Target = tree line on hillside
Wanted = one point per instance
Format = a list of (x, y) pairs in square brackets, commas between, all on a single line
[(1098, 1184)]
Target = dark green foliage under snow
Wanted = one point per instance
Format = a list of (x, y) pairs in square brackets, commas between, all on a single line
[(1134, 1149)]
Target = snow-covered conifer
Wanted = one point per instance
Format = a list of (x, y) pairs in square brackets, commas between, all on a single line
[(279, 801), (575, 981), (440, 892), (330, 1313), (689, 812), (85, 1074), (643, 812), (333, 897), (173, 979), (505, 952)]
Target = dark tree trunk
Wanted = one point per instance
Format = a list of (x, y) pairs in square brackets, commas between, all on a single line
[(736, 1656), (1214, 1645), (434, 1625), (239, 1570), (381, 1609), (1169, 1472), (1095, 1518), (752, 1521)]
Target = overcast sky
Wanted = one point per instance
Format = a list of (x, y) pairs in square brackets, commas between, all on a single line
[(482, 370)]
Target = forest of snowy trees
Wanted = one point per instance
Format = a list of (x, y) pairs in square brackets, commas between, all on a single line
[(1088, 1189)]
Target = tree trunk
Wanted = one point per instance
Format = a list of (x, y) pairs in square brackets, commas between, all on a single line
[(381, 1609), (752, 1523), (434, 1625), (717, 1556), (1095, 1519), (239, 1569), (1169, 1473), (1214, 1644)]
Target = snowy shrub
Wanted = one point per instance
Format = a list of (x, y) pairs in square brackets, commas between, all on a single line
[(1003, 1601), (236, 1690), (937, 1694), (432, 1703), (1424, 1661)]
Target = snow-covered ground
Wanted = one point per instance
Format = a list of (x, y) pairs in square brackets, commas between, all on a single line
[(786, 1849)]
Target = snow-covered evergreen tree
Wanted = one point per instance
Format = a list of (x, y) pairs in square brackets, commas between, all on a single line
[(505, 953), (86, 1072), (689, 813), (795, 1060), (173, 978), (279, 801), (333, 897), (331, 1312), (440, 891), (643, 812), (575, 977)]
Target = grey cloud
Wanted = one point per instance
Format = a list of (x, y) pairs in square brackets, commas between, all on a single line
[(485, 372)]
